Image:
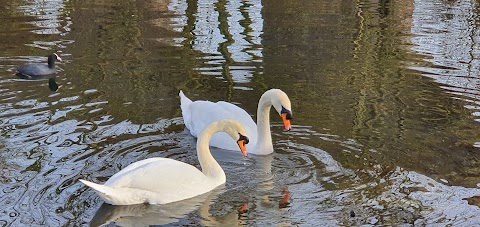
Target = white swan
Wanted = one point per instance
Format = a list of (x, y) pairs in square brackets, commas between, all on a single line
[(197, 115), (164, 180)]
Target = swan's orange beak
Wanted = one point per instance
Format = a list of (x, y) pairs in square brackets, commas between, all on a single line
[(286, 122), (243, 147), (242, 143)]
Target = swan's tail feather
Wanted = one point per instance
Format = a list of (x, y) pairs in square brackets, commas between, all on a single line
[(108, 194), (184, 101), (97, 187), (185, 106)]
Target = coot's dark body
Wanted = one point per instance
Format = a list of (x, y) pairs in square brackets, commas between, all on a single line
[(33, 70)]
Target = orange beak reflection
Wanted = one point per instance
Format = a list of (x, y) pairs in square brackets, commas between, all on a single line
[(286, 122)]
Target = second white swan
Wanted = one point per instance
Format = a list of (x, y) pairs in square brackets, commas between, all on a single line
[(199, 114)]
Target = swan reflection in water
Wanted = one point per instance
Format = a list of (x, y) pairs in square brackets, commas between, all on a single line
[(146, 215)]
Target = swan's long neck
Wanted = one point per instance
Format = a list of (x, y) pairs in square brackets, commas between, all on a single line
[(210, 166), (264, 139)]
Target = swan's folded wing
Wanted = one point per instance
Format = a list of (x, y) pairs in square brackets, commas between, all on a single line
[(239, 114), (127, 170), (205, 113), (160, 175)]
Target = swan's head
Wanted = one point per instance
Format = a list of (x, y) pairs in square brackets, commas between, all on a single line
[(235, 130), (282, 105)]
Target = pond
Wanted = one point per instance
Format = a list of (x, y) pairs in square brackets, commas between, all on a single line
[(385, 98)]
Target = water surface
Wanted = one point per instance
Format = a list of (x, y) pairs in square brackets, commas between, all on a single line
[(385, 98)]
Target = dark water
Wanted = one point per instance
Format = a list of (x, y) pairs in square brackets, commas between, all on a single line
[(385, 96)]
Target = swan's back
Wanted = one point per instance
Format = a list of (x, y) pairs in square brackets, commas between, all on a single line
[(145, 175), (155, 181)]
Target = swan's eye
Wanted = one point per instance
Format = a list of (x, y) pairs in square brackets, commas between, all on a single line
[(244, 138), (288, 112)]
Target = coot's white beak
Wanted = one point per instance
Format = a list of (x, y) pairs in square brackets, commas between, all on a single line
[(58, 57)]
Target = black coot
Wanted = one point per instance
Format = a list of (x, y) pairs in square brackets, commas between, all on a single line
[(37, 69)]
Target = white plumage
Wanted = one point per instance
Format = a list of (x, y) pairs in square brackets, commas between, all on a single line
[(164, 180), (198, 114)]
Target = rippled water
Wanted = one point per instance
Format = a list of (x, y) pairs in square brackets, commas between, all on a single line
[(385, 98)]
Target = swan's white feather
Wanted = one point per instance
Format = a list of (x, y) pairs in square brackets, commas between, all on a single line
[(199, 114), (154, 181)]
